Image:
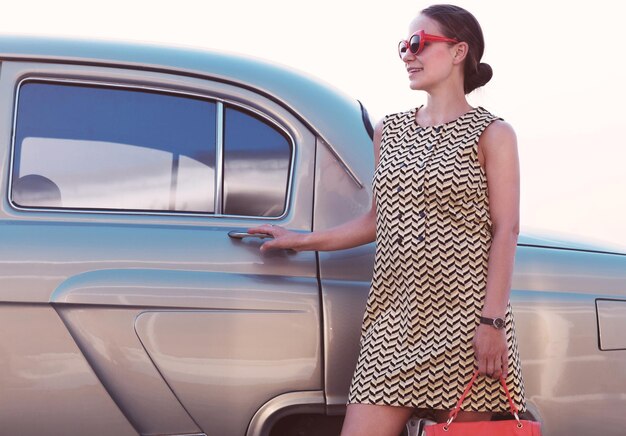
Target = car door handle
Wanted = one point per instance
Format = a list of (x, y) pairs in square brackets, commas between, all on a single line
[(240, 235)]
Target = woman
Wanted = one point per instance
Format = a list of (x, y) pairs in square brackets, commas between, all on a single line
[(445, 218)]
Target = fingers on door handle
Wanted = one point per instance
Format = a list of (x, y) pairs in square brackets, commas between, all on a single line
[(240, 235)]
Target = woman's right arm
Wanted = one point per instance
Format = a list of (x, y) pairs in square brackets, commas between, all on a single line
[(359, 231)]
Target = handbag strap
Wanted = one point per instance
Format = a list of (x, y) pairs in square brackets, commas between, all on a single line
[(457, 408)]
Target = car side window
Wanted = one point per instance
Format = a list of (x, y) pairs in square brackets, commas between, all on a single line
[(99, 147), (257, 158), (95, 147)]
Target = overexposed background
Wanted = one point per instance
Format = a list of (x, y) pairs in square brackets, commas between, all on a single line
[(557, 76)]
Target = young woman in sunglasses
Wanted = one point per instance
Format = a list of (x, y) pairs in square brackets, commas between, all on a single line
[(446, 200)]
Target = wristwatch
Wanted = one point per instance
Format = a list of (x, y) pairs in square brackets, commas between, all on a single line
[(497, 323)]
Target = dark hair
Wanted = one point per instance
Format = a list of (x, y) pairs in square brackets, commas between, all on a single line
[(456, 22)]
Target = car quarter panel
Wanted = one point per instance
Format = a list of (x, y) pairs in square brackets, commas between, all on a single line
[(570, 382)]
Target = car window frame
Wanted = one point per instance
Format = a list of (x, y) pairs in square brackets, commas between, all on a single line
[(220, 103)]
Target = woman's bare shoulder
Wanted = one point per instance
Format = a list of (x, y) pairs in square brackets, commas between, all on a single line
[(497, 135), (497, 132)]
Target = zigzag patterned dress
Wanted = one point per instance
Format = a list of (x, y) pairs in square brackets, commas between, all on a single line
[(433, 236)]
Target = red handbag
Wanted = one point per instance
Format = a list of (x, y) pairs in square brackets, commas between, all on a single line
[(517, 427)]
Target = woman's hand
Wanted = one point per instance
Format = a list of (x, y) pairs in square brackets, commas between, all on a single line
[(491, 351), (283, 238)]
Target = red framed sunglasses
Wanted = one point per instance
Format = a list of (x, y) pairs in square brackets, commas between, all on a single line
[(416, 42)]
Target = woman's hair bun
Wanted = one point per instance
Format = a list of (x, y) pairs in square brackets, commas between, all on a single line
[(481, 76)]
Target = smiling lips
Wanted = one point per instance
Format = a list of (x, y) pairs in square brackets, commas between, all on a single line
[(414, 70)]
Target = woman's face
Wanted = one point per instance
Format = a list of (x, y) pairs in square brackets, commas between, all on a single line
[(434, 64)]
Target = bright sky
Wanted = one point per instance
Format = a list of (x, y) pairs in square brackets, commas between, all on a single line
[(557, 76)]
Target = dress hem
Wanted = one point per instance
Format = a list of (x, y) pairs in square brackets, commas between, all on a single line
[(430, 406)]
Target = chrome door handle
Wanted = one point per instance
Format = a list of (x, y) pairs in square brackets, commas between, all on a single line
[(240, 235)]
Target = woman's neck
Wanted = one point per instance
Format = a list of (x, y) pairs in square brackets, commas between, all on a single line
[(442, 108)]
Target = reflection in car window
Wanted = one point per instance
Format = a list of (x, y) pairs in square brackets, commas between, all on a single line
[(96, 147), (256, 165)]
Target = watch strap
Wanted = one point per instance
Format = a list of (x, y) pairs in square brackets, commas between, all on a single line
[(497, 323)]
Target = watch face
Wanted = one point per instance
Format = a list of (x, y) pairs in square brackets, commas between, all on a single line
[(498, 323)]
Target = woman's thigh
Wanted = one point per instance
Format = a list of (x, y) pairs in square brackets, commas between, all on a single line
[(375, 420), (379, 420), (442, 415)]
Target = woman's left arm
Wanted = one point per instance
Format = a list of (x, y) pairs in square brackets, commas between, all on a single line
[(499, 148)]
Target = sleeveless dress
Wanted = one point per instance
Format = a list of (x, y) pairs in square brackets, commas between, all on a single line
[(433, 235)]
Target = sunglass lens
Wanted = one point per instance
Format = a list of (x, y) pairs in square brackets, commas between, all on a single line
[(401, 48), (414, 44)]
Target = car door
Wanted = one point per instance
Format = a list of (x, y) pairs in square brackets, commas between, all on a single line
[(128, 194)]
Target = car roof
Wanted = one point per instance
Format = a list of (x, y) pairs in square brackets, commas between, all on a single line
[(330, 113)]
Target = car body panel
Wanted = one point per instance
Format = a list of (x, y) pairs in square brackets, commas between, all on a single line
[(223, 364), (101, 270), (215, 339), (570, 382), (345, 275), (569, 272), (47, 386), (537, 238), (108, 341), (559, 345)]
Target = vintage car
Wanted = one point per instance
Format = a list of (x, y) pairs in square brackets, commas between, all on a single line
[(133, 303)]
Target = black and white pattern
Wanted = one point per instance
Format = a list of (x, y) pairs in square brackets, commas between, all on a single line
[(433, 235)]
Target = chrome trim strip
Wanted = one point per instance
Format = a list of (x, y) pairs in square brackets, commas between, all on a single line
[(147, 213), (219, 159), (279, 406), (190, 434), (343, 164), (12, 145)]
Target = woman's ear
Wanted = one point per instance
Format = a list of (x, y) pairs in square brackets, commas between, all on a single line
[(460, 52)]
